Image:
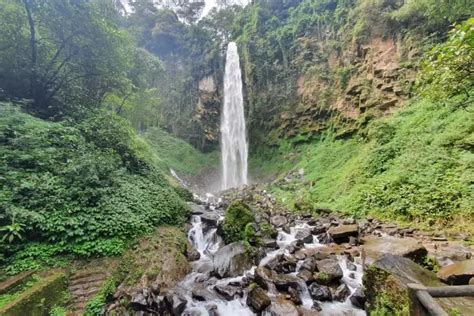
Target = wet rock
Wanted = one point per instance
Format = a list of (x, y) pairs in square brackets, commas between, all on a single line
[(284, 281), (309, 264), (320, 292), (305, 275), (228, 292), (350, 266), (270, 243), (375, 247), (358, 298), (300, 255), (307, 312), (294, 295), (278, 221), (200, 293), (304, 235), (331, 269), (295, 246), (342, 293), (212, 310), (263, 276), (282, 264), (257, 299), (342, 233), (319, 229), (282, 307), (231, 260), (210, 219), (458, 273), (176, 303), (324, 238), (192, 254), (139, 301)]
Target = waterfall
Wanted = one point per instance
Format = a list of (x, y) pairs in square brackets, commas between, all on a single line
[(234, 144)]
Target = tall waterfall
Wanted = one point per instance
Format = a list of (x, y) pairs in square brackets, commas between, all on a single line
[(234, 144)]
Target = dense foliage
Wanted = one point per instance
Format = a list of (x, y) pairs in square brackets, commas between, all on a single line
[(83, 189), (414, 166)]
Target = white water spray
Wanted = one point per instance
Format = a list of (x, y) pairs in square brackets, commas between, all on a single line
[(234, 144)]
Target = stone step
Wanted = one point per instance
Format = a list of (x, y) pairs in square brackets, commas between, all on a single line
[(90, 279), (86, 274), (84, 286)]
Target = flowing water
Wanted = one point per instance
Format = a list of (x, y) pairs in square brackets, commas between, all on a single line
[(207, 242), (234, 149)]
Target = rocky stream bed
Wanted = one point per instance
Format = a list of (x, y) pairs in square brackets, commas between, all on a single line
[(309, 266)]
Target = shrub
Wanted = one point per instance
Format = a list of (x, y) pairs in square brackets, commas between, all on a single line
[(237, 216)]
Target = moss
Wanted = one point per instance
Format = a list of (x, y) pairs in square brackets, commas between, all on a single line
[(40, 298), (237, 216), (385, 295), (158, 257)]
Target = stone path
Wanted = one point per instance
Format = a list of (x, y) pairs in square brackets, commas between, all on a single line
[(84, 286)]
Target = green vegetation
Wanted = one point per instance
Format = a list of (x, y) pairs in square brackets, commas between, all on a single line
[(96, 305), (82, 189), (179, 155), (413, 166), (238, 217), (15, 292)]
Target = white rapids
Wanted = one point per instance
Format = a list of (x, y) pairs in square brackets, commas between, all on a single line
[(234, 148), (207, 242)]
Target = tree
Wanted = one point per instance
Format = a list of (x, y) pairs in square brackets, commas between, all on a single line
[(62, 53)]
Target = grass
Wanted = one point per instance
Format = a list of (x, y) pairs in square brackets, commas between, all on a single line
[(179, 155), (415, 166)]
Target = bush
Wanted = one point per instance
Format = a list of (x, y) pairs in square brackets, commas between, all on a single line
[(237, 216), (83, 190)]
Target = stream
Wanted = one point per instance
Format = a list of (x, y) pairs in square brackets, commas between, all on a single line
[(207, 242)]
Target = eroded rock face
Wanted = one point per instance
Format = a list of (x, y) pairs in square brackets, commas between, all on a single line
[(257, 299), (342, 233), (231, 260), (458, 273)]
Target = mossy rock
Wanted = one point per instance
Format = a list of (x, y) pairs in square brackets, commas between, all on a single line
[(237, 216), (386, 288), (40, 298)]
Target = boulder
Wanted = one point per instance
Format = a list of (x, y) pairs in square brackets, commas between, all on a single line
[(282, 307), (282, 264), (210, 219), (309, 264), (192, 254), (342, 233), (358, 298), (374, 247), (270, 243), (305, 275), (320, 292), (458, 273), (331, 269), (264, 277), (304, 235), (201, 293), (257, 299), (176, 303), (228, 292), (307, 312), (295, 295), (342, 293), (231, 260), (387, 279), (295, 246), (318, 229), (279, 221)]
